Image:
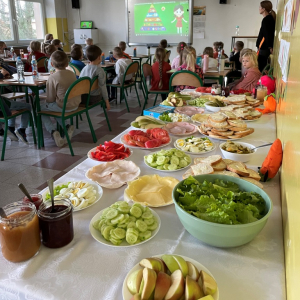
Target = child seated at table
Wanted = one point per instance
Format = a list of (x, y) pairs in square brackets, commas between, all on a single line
[(49, 50), (235, 55), (56, 88), (177, 61), (160, 78), (88, 42), (212, 62), (252, 73), (2, 47), (13, 133), (57, 44), (77, 56), (35, 49), (189, 63), (164, 44), (216, 47), (47, 41), (122, 45), (92, 70)]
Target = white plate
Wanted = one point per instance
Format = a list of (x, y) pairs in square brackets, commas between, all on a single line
[(127, 295), (136, 147), (198, 153), (166, 171), (182, 134), (212, 108), (89, 155), (224, 140), (97, 187), (96, 234)]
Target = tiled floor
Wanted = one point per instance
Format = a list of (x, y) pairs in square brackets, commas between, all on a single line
[(34, 167)]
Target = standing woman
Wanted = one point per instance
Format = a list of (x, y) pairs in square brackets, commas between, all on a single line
[(265, 38)]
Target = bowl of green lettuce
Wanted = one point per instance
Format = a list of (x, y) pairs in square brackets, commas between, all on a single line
[(221, 211)]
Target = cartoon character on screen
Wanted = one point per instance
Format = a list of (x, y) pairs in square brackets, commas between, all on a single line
[(178, 13)]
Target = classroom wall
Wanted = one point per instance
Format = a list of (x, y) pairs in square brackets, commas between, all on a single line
[(109, 17), (288, 130)]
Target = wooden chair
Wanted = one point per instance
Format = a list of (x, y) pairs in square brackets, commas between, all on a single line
[(41, 62), (4, 117), (94, 86), (133, 69), (147, 72), (79, 87), (73, 68), (185, 77)]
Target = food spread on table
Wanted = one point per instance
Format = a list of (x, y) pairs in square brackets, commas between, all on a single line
[(220, 202), (151, 190), (110, 151), (168, 160), (146, 122), (221, 126), (195, 145), (232, 147), (174, 117), (199, 118), (152, 138), (180, 128), (122, 221), (189, 110), (113, 174), (170, 277), (175, 99)]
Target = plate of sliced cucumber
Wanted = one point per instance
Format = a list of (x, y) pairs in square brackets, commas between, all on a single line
[(170, 160), (124, 225)]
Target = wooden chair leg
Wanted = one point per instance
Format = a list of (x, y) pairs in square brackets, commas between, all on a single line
[(91, 127), (67, 137)]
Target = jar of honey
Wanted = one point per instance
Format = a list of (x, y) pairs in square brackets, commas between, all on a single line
[(56, 225), (261, 93), (19, 232)]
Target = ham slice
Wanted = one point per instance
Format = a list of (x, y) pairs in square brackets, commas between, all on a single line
[(189, 110), (180, 128)]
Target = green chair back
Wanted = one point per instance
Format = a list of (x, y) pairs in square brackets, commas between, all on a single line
[(41, 62), (185, 77), (75, 69)]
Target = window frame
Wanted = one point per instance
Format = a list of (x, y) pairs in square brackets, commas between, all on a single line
[(14, 23)]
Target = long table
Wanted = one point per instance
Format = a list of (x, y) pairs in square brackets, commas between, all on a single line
[(86, 269)]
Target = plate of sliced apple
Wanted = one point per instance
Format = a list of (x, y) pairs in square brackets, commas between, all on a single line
[(169, 276)]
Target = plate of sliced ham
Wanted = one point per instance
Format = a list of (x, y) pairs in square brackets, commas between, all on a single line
[(189, 110), (180, 128)]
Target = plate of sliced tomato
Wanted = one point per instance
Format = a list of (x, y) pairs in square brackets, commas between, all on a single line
[(239, 92), (203, 89), (109, 151)]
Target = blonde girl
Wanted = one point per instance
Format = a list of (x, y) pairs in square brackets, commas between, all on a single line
[(252, 73), (177, 61), (160, 78)]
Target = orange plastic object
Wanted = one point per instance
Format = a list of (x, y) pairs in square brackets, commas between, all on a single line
[(273, 160), (270, 105)]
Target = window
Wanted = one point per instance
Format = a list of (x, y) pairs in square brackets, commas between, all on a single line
[(21, 20)]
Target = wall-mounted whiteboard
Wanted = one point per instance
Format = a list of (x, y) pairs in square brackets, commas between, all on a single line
[(149, 22)]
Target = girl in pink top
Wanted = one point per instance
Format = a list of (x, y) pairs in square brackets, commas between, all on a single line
[(251, 75), (177, 61)]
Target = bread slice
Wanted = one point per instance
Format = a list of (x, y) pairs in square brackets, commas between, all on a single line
[(215, 136), (219, 129), (253, 174), (198, 160), (238, 123), (230, 115), (220, 166), (228, 161), (239, 168), (202, 168), (244, 133), (240, 129), (217, 124), (188, 173), (253, 181), (217, 117), (227, 173), (213, 159), (225, 133)]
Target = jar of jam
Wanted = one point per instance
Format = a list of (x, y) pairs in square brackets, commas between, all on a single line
[(19, 232), (57, 226), (36, 198)]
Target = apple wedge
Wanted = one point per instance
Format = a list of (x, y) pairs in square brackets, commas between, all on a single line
[(163, 265), (193, 290), (176, 289), (182, 265), (209, 285), (134, 281), (149, 277), (163, 283), (193, 271), (136, 297), (170, 262), (151, 263)]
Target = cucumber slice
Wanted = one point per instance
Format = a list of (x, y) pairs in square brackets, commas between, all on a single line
[(147, 215), (133, 231), (111, 214), (108, 222), (119, 233), (160, 160), (183, 163), (132, 219), (145, 235), (105, 212), (115, 241), (140, 206), (112, 235), (124, 226), (179, 154), (153, 226), (187, 158), (160, 168), (166, 167), (106, 232), (124, 209), (136, 211), (125, 220), (174, 160), (131, 225), (149, 221), (154, 165), (131, 238), (96, 224), (141, 225), (118, 219), (149, 159), (172, 167)]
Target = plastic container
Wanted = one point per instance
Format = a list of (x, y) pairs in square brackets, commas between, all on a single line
[(34, 67), (205, 63), (222, 235), (102, 59), (156, 111), (19, 232), (20, 69), (56, 227), (134, 52)]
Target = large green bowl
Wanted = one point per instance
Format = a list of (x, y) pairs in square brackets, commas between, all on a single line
[(221, 235)]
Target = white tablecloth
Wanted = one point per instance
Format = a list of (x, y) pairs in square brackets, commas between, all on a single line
[(86, 269)]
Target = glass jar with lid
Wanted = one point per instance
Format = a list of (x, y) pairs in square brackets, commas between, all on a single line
[(216, 89), (261, 93), (19, 231), (57, 225)]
